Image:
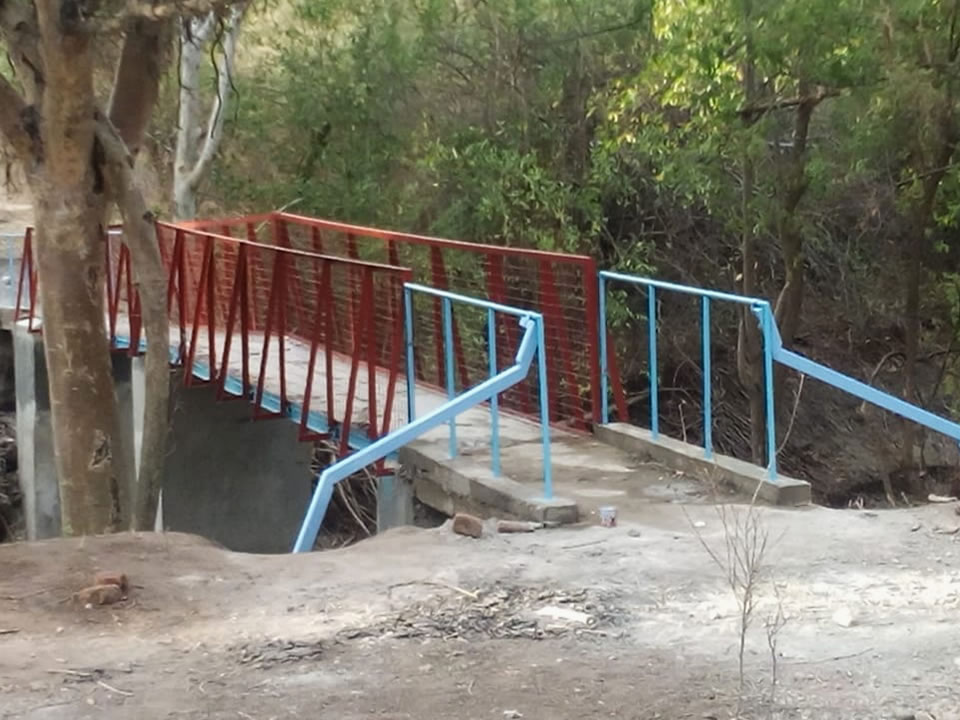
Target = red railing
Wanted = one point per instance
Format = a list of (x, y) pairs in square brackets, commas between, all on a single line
[(293, 331), (563, 287)]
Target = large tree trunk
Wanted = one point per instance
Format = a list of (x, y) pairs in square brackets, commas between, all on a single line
[(70, 260)]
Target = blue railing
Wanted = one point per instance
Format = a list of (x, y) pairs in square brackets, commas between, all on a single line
[(531, 344), (773, 352), (760, 308)]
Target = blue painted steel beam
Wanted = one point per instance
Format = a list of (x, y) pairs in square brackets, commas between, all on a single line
[(449, 370), (652, 361), (866, 392), (707, 392), (604, 360), (494, 404), (685, 289), (343, 469)]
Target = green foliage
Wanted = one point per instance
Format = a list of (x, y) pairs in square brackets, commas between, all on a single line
[(472, 123)]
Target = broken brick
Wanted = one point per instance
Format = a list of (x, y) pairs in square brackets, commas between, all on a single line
[(99, 595), (515, 526), (469, 525), (112, 578)]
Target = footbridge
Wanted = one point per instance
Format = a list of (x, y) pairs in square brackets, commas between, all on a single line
[(491, 375)]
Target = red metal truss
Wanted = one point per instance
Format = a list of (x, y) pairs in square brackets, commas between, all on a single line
[(562, 286), (265, 323)]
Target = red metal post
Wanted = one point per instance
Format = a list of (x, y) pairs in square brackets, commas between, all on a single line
[(371, 354), (235, 294), (188, 378), (354, 369), (616, 386), (558, 339), (591, 292)]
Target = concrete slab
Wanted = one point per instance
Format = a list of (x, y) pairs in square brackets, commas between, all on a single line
[(746, 477), (466, 484), (587, 474)]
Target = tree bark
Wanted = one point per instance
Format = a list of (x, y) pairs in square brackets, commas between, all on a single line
[(151, 282), (70, 261), (135, 92), (196, 146), (749, 338)]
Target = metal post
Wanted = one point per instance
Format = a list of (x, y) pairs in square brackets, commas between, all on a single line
[(766, 320), (652, 332), (494, 409), (604, 401), (411, 368), (707, 399), (10, 274), (448, 363), (544, 409)]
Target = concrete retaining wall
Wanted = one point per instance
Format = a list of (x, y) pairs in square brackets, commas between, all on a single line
[(690, 459)]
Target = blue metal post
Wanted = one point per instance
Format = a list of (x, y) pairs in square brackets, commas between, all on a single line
[(707, 398), (652, 332), (604, 401), (494, 409), (448, 362), (766, 324), (411, 367), (544, 410)]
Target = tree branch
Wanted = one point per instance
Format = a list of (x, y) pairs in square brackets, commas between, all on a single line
[(115, 15), (218, 111), (18, 124), (18, 29), (151, 281), (137, 80), (752, 113)]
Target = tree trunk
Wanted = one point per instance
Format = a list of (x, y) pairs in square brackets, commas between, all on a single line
[(135, 91), (70, 261), (199, 133), (749, 338), (151, 282)]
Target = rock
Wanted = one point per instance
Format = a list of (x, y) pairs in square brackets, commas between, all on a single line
[(512, 714), (561, 613), (844, 618), (940, 498), (469, 525), (99, 595), (112, 578), (516, 526)]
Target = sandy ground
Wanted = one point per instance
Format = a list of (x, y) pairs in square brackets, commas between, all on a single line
[(426, 624)]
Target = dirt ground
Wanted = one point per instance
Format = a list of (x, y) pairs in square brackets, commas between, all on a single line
[(427, 624)]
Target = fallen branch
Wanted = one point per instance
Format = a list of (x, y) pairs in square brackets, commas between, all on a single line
[(111, 688)]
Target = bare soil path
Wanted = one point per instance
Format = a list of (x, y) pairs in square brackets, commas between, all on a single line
[(425, 624)]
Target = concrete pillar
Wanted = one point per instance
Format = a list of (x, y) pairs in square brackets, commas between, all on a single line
[(123, 437), (38, 472), (242, 483), (394, 502), (35, 453)]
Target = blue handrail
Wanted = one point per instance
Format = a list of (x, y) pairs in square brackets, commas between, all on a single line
[(760, 308), (773, 352), (532, 343)]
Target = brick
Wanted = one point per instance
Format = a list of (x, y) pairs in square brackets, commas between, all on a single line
[(107, 577), (516, 526), (99, 595), (469, 525)]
